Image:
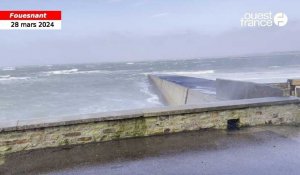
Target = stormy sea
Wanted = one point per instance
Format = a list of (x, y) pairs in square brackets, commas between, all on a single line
[(29, 92)]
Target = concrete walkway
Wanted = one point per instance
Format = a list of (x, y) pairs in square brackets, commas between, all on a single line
[(259, 150)]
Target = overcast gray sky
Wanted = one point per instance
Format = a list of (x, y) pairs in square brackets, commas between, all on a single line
[(130, 30)]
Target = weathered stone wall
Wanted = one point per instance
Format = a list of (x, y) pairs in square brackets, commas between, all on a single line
[(151, 122)]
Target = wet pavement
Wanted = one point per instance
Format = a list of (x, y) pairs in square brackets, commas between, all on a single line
[(260, 150)]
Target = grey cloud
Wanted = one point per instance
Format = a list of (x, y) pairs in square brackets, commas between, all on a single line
[(130, 47)]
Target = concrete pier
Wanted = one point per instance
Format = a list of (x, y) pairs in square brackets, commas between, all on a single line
[(235, 90), (181, 90)]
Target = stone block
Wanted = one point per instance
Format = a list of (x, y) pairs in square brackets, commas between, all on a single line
[(72, 134), (295, 82)]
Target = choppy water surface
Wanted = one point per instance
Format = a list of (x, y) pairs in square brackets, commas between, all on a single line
[(61, 90)]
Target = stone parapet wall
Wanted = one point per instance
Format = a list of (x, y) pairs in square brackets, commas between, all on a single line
[(148, 122)]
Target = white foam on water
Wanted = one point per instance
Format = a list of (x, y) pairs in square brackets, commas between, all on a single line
[(274, 67), (153, 98), (73, 71), (92, 72), (129, 63), (269, 76), (10, 78), (8, 68), (186, 73), (194, 72), (62, 72), (4, 76)]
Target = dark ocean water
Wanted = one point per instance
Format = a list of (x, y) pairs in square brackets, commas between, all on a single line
[(62, 90)]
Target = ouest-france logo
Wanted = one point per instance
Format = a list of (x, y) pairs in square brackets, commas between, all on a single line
[(264, 19)]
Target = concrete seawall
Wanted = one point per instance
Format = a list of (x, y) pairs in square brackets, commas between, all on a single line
[(235, 90), (177, 90), (180, 90), (29, 135), (172, 93)]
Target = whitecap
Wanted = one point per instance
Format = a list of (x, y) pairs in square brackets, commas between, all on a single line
[(193, 72), (8, 68), (187, 73), (129, 63), (9, 78), (4, 76), (274, 67), (73, 71), (62, 72), (93, 72), (153, 98)]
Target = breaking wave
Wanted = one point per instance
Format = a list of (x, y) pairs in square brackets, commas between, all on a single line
[(73, 71), (193, 72), (62, 72), (153, 98), (274, 67), (184, 72), (8, 68), (9, 78)]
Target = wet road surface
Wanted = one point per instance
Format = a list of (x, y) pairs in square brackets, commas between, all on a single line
[(259, 150)]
